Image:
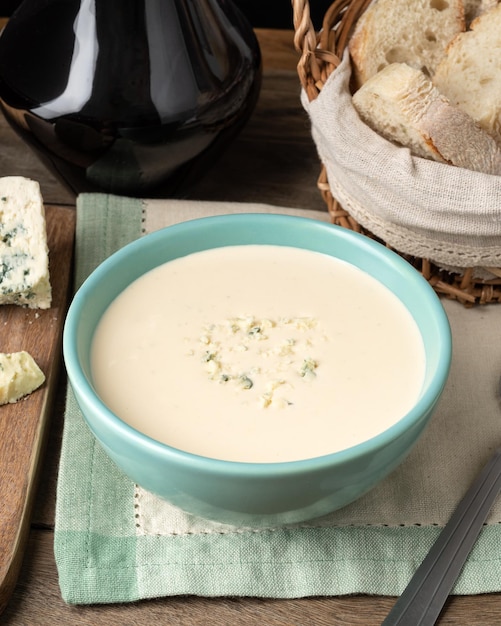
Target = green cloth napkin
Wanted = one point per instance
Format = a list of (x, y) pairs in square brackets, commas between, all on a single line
[(113, 545)]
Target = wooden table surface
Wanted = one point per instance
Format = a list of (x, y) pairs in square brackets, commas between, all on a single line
[(274, 161)]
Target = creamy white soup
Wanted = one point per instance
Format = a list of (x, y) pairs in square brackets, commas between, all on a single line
[(258, 353)]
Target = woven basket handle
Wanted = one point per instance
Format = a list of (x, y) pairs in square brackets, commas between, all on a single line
[(322, 53), (306, 42)]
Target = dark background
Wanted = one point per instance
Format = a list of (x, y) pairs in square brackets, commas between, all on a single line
[(278, 13), (260, 13)]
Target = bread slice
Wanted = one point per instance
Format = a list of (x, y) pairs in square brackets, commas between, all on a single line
[(415, 32), (402, 105), (470, 74)]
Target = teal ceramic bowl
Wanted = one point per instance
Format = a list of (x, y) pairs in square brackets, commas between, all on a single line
[(254, 494)]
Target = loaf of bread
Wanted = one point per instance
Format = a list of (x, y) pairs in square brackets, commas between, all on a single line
[(470, 72), (402, 105), (415, 32)]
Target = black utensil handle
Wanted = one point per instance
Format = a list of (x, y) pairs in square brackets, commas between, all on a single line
[(423, 599)]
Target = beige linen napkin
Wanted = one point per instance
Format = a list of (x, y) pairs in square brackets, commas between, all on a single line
[(115, 542), (464, 431)]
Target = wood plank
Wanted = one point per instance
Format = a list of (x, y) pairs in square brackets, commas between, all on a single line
[(277, 49), (23, 425)]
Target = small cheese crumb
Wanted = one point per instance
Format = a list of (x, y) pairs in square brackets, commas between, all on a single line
[(19, 376)]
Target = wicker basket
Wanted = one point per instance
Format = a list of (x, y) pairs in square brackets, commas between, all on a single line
[(321, 54)]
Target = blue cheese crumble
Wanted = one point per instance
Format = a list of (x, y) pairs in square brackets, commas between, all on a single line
[(24, 255), (267, 357)]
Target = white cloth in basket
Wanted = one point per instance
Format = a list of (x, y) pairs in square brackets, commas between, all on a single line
[(447, 214)]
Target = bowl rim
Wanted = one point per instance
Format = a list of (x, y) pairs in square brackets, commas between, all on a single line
[(82, 386)]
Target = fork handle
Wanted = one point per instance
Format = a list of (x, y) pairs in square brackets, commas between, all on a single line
[(423, 599)]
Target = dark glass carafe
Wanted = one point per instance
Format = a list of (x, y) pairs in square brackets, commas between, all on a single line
[(133, 97)]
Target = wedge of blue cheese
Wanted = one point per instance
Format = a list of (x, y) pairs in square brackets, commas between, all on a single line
[(24, 255), (19, 376)]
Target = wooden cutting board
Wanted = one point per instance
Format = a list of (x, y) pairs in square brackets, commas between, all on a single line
[(24, 425)]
